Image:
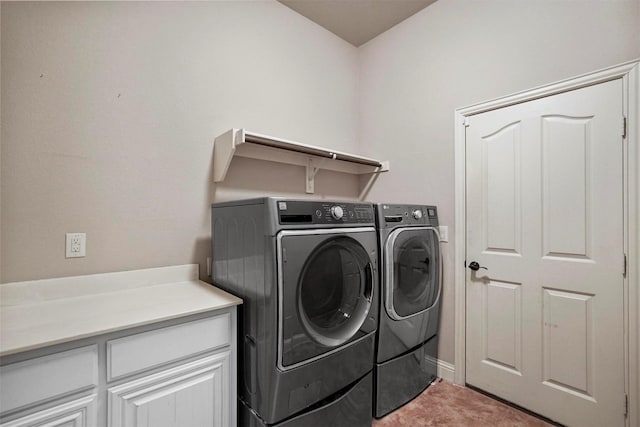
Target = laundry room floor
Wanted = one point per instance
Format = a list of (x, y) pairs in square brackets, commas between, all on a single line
[(446, 404)]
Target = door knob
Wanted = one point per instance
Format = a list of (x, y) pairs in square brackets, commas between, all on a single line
[(475, 266)]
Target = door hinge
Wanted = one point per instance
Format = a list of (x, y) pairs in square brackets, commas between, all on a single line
[(624, 266), (465, 122), (626, 405), (624, 127)]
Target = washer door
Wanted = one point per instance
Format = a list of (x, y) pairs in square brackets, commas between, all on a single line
[(326, 284), (412, 271)]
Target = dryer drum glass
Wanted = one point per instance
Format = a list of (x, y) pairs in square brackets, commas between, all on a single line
[(415, 275), (334, 291)]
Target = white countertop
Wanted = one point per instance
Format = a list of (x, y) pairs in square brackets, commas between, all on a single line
[(45, 312)]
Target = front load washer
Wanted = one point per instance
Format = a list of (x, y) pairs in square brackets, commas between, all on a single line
[(410, 283), (307, 272)]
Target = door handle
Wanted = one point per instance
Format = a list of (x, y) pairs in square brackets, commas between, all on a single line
[(475, 266), (368, 291)]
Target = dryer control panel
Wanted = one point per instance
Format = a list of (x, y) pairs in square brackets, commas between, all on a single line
[(389, 215), (324, 212)]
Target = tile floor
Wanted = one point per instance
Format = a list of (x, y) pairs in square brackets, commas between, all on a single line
[(446, 404)]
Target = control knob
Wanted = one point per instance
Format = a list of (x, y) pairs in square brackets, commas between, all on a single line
[(337, 212), (417, 214)]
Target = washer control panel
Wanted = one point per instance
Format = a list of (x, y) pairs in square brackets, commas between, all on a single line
[(313, 212), (393, 215)]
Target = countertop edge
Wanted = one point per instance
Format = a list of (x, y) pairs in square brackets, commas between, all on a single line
[(144, 305), (116, 328)]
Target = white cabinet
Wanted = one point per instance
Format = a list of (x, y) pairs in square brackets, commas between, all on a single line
[(43, 385), (174, 373), (65, 373), (76, 413), (133, 353), (193, 394)]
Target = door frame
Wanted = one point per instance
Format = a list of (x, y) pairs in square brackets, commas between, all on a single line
[(629, 72)]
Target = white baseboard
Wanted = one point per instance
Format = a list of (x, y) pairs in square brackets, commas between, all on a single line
[(446, 371)]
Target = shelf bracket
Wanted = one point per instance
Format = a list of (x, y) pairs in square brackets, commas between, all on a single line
[(312, 168), (373, 176)]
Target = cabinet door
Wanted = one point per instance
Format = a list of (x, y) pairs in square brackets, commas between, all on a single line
[(66, 373), (194, 394), (76, 413)]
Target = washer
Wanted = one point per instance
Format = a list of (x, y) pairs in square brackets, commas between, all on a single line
[(411, 284), (307, 272)]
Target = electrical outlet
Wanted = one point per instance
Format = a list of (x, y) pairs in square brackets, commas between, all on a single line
[(444, 233), (76, 246)]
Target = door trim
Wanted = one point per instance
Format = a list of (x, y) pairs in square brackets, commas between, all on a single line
[(629, 72)]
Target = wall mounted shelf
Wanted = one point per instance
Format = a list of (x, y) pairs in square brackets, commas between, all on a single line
[(242, 143)]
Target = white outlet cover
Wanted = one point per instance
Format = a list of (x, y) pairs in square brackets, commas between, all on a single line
[(444, 233), (76, 245)]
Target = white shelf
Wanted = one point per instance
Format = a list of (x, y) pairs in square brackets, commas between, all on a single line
[(242, 143)]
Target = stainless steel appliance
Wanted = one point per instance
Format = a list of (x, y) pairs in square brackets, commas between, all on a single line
[(307, 272), (411, 284)]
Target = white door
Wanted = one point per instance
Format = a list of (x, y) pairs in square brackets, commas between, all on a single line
[(544, 215)]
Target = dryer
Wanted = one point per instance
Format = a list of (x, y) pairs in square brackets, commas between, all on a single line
[(411, 284), (307, 272)]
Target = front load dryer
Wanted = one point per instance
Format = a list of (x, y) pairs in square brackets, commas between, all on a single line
[(307, 272), (411, 284)]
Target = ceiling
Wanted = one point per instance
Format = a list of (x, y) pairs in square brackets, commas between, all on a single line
[(357, 21)]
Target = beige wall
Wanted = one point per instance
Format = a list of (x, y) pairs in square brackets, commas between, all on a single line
[(109, 111), (458, 52)]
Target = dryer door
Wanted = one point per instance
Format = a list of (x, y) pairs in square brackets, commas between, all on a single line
[(326, 284), (412, 271)]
